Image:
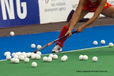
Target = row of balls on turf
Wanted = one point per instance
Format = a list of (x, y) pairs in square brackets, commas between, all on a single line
[(22, 56), (103, 42), (16, 57), (55, 57), (50, 58), (63, 58), (85, 57)]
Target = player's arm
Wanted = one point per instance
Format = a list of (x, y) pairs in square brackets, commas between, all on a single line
[(76, 15), (96, 14)]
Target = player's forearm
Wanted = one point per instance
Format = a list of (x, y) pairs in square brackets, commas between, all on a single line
[(76, 15), (74, 20), (96, 14)]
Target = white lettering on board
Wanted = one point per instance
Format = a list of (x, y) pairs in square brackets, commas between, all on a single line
[(7, 7)]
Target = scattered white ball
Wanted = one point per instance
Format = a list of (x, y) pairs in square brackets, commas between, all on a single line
[(39, 46), (33, 46), (13, 54), (38, 57), (26, 60), (81, 57), (7, 53), (111, 45), (95, 59), (64, 58), (51, 55), (103, 42), (34, 64), (21, 57), (45, 58), (12, 33), (39, 53), (12, 60), (49, 59), (55, 56), (8, 57), (25, 56), (28, 54), (85, 57), (16, 56), (95, 43), (18, 53), (16, 60), (33, 56)]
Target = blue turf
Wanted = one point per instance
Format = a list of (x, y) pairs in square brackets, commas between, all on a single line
[(77, 41)]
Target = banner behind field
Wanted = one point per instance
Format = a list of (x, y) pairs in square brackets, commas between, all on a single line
[(26, 12), (55, 10), (58, 10), (18, 12)]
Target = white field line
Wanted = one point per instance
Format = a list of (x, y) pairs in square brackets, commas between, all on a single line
[(72, 50), (83, 49)]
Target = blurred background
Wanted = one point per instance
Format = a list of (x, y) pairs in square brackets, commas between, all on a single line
[(37, 16)]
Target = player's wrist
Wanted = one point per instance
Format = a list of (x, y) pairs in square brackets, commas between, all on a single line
[(84, 26), (69, 30)]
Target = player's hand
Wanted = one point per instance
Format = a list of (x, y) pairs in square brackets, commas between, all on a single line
[(68, 33), (80, 29)]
